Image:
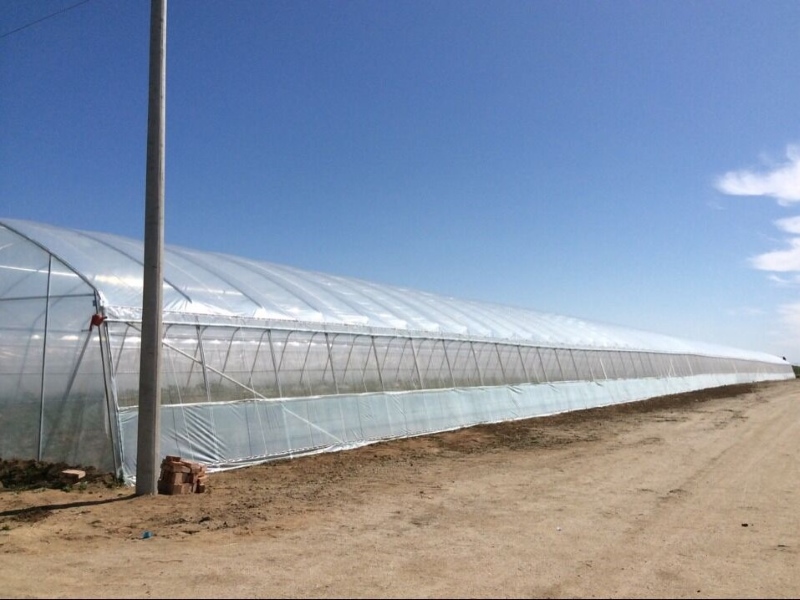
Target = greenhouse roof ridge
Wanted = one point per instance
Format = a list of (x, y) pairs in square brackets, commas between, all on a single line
[(208, 286)]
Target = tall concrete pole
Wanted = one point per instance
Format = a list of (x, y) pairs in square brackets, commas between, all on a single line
[(147, 458)]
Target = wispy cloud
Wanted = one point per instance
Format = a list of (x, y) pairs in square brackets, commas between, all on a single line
[(782, 281), (789, 225), (782, 261), (781, 182)]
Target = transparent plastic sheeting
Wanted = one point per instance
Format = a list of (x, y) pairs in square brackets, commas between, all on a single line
[(207, 285), (234, 434), (261, 361), (52, 389)]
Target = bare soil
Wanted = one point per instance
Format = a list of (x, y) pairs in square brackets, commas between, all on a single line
[(693, 495)]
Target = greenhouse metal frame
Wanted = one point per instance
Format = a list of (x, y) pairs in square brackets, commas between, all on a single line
[(262, 361)]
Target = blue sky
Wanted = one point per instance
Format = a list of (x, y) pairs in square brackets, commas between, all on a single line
[(635, 163)]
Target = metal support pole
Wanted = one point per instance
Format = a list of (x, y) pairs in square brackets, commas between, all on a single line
[(147, 456), (44, 359), (378, 363)]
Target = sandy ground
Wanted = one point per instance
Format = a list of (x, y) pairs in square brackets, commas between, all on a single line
[(684, 496)]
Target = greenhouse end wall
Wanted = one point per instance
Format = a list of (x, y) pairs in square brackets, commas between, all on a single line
[(53, 401)]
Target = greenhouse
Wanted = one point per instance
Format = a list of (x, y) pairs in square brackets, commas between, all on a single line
[(262, 361)]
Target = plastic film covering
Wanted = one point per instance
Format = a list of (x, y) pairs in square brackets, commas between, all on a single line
[(213, 287), (52, 387), (204, 363), (237, 395), (262, 361), (235, 434)]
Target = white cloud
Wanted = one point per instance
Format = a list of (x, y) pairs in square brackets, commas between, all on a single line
[(789, 224), (782, 281), (781, 182), (779, 260)]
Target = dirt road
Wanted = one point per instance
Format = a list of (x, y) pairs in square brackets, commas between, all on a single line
[(695, 496)]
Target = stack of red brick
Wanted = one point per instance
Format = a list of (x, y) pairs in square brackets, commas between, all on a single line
[(181, 477)]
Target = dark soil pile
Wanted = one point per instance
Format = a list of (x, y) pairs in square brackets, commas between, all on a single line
[(27, 474)]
